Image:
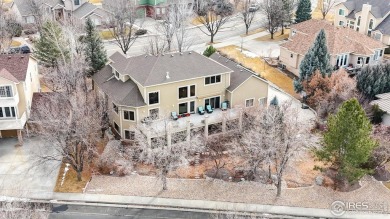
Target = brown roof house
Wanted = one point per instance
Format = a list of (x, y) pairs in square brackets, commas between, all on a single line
[(347, 47), (369, 17), (146, 89), (383, 102), (18, 81)]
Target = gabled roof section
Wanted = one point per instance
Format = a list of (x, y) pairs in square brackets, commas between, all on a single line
[(122, 93), (239, 74), (384, 26), (5, 74), (339, 39), (379, 8), (15, 64), (84, 10), (150, 70), (24, 7)]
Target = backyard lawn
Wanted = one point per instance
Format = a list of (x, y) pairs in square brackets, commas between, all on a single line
[(259, 66)]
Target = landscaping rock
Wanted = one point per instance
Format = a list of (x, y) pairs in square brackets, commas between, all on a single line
[(319, 180)]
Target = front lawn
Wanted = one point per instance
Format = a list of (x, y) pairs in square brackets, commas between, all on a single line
[(277, 36)]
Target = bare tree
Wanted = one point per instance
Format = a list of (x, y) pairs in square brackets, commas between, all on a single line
[(122, 23), (213, 15), (155, 46), (22, 209), (273, 10), (69, 118), (40, 15), (168, 148), (5, 36), (326, 6), (275, 137), (248, 14)]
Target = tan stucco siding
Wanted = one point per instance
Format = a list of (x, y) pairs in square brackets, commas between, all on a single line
[(253, 88), (337, 17), (169, 94), (291, 63)]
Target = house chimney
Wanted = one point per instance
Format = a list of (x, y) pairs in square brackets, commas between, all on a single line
[(167, 76)]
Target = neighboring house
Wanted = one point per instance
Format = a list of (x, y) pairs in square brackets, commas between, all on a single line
[(383, 102), (369, 17), (60, 10), (18, 81), (347, 48), (152, 8), (145, 88)]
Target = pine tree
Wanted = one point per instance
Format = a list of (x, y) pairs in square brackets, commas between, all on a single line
[(347, 142), (51, 46), (209, 51), (317, 58), (274, 101), (95, 54), (374, 79), (303, 11)]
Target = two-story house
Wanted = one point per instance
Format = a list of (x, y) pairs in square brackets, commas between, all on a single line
[(152, 87), (60, 10), (369, 17), (18, 81), (347, 48)]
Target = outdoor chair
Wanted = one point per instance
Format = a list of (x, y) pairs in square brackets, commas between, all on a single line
[(209, 109), (224, 106), (200, 110), (174, 116)]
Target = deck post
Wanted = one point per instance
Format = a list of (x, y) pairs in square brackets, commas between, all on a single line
[(149, 137), (240, 120), (20, 137), (188, 130), (224, 122), (206, 127)]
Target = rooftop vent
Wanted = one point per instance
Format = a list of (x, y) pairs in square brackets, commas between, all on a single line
[(172, 55), (190, 52), (167, 76), (146, 56)]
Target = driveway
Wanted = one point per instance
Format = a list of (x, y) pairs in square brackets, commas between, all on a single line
[(18, 175)]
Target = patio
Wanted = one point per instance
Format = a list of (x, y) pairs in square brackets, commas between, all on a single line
[(194, 121)]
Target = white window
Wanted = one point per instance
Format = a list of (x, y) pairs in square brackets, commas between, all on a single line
[(7, 112), (30, 20), (129, 135), (378, 36), (128, 115), (342, 60), (341, 12), (360, 60), (154, 98), (249, 102), (187, 91), (377, 54), (117, 75), (341, 23), (116, 127), (380, 53), (6, 91), (370, 27), (262, 101), (115, 108), (352, 24), (212, 79)]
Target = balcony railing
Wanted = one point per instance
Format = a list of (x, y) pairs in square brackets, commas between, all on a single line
[(10, 101), (13, 123)]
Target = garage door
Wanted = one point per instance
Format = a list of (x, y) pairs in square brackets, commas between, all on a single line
[(9, 133)]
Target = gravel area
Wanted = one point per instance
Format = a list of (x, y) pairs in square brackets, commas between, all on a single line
[(371, 191)]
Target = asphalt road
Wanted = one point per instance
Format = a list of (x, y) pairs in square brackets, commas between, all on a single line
[(106, 212)]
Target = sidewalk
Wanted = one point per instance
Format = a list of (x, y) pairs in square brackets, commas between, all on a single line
[(197, 205)]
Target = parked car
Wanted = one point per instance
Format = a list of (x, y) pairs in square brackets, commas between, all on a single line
[(22, 49), (253, 7)]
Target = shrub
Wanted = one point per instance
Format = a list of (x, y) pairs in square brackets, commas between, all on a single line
[(30, 31), (141, 32), (209, 51), (377, 114), (115, 160)]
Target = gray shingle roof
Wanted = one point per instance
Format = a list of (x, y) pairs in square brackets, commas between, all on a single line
[(24, 7), (122, 93), (379, 7), (383, 102), (152, 70), (84, 10), (239, 74), (384, 26)]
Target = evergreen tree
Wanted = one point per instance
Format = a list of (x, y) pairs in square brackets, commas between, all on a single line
[(95, 54), (317, 58), (374, 79), (209, 51), (51, 46), (347, 142), (274, 101), (303, 11)]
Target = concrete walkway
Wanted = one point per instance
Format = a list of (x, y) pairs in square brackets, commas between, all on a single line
[(198, 205)]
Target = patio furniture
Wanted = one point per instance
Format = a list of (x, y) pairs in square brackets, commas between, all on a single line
[(200, 110), (209, 109), (174, 116), (224, 106)]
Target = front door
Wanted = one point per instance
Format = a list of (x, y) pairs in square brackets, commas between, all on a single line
[(214, 102)]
